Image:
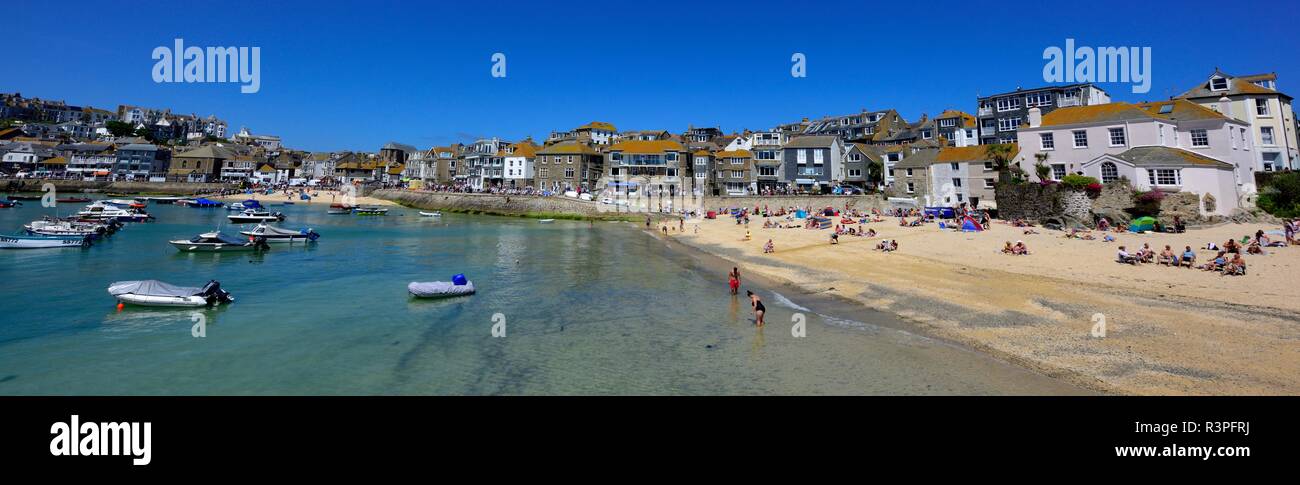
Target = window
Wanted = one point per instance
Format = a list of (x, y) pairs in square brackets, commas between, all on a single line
[(1261, 106), (1058, 171), (543, 172), (853, 172), (767, 171), (737, 161), (701, 160), (568, 172), (1109, 172), (948, 122), (1218, 84), (701, 175), (737, 174), (1165, 176), (1007, 139), (802, 156), (926, 134), (855, 157), (1008, 124), (1200, 138), (1271, 161), (1009, 104), (1081, 139), (911, 187), (819, 157), (670, 156), (1117, 137), (894, 157), (988, 166), (909, 172), (1266, 135), (988, 183), (954, 166), (1046, 142), (956, 182), (1037, 100)]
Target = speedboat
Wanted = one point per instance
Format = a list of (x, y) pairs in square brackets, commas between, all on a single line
[(237, 206), (431, 214), (339, 209), (245, 205), (41, 242), (217, 242), (370, 211), (125, 204), (202, 203), (104, 211), (274, 234), (253, 215), (157, 293)]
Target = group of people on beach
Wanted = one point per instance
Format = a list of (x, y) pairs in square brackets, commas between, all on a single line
[(1228, 259), (1017, 249)]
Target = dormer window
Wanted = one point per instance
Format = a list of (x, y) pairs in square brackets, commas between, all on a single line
[(1218, 84)]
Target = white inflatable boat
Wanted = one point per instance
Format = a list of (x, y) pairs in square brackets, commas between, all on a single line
[(157, 293), (440, 289)]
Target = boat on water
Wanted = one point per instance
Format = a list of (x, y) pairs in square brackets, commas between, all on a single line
[(157, 293), (339, 209), (24, 197), (218, 242), (68, 228), (253, 215), (164, 200), (72, 200), (42, 242), (431, 214), (458, 286), (245, 205), (9, 204), (546, 221), (201, 203), (106, 211), (274, 234), (370, 211)]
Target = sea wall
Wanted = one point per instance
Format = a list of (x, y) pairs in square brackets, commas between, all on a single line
[(79, 186), (1032, 202), (535, 206)]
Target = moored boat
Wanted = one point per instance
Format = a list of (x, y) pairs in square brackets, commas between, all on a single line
[(458, 286), (65, 228), (107, 211), (202, 203), (217, 242), (274, 234), (42, 242), (72, 200), (157, 293), (370, 211), (253, 215), (431, 214), (9, 204), (339, 209)]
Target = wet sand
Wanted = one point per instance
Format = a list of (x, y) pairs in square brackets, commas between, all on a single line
[(1168, 331)]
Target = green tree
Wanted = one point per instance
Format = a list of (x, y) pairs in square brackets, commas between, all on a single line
[(1281, 197), (119, 128), (1001, 154)]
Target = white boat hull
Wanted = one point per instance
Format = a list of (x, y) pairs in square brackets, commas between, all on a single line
[(165, 301), (10, 242)]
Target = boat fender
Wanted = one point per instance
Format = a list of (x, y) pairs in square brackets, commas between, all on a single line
[(459, 279)]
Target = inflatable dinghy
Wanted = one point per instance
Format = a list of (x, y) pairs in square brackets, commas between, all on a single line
[(157, 293), (458, 286)]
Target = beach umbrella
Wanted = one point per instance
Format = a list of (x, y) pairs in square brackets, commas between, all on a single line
[(1140, 224)]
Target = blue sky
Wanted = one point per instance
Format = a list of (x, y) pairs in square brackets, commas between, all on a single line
[(353, 75)]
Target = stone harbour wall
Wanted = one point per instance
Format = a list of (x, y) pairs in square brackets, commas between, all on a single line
[(84, 186)]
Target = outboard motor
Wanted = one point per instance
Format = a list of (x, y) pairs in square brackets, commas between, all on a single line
[(213, 293), (312, 235)]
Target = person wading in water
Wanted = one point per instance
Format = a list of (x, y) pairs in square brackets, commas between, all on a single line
[(759, 309), (733, 280)]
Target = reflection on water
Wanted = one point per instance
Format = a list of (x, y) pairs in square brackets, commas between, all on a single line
[(589, 308)]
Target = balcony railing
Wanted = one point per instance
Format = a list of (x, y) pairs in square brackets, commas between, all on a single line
[(809, 171)]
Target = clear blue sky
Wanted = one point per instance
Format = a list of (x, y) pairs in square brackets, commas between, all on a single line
[(344, 75)]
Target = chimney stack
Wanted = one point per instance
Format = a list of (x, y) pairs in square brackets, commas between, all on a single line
[(1035, 117)]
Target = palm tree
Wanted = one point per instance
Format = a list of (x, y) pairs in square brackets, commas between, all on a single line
[(1001, 155)]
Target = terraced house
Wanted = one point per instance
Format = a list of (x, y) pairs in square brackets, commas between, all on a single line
[(568, 165), (734, 173), (1171, 146), (1254, 99), (813, 162), (662, 166)]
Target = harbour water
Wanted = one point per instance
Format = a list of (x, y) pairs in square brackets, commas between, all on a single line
[(588, 309)]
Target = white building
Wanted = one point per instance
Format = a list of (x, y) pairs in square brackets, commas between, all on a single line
[(1255, 100), (518, 160)]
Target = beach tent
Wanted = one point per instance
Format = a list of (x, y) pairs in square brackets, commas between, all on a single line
[(800, 214), (1142, 224), (969, 225), (823, 222)]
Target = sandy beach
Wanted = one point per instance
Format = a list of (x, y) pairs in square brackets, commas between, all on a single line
[(323, 197), (1168, 330)]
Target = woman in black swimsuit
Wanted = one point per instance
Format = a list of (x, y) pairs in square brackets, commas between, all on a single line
[(759, 309)]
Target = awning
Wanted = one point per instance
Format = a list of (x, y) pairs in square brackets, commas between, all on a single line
[(101, 173), (805, 181)]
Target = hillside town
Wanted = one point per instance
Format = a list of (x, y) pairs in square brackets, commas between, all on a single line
[(1211, 140)]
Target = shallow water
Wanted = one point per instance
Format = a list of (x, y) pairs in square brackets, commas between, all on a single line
[(588, 309)]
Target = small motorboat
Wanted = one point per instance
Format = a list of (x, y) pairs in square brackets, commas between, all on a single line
[(274, 234), (217, 242), (24, 197), (42, 242), (9, 204), (237, 206), (370, 211), (63, 228), (339, 209), (157, 293), (431, 214), (458, 286), (250, 216), (164, 200), (106, 211), (545, 221)]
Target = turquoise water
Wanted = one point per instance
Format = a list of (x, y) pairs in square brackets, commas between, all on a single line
[(588, 308)]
